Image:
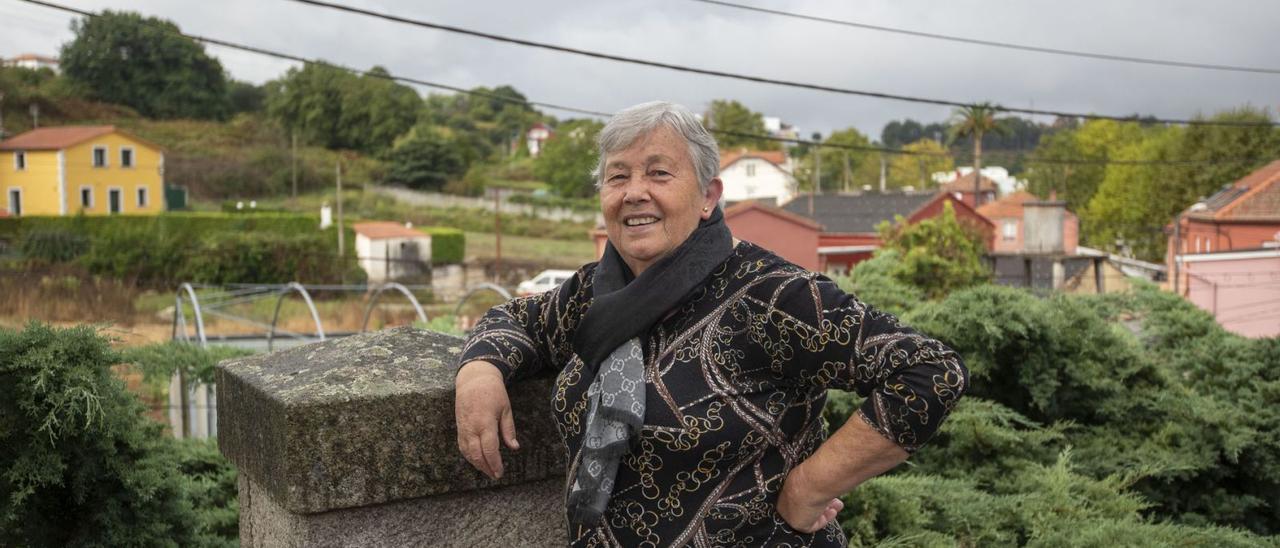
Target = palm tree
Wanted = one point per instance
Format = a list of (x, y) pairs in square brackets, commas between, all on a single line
[(975, 121)]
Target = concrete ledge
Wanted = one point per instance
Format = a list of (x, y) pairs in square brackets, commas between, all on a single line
[(368, 420)]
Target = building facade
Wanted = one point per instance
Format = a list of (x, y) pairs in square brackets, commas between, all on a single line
[(94, 170), (757, 175)]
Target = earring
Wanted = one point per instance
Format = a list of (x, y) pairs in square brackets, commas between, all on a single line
[(706, 209)]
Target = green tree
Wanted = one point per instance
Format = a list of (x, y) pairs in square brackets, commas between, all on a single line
[(79, 463), (245, 97), (124, 58), (937, 255), (425, 160), (725, 115), (567, 159), (333, 108), (841, 168), (1080, 157), (914, 170), (1134, 203), (974, 122)]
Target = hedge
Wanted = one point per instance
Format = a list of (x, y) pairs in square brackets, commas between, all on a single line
[(448, 245), (171, 248)]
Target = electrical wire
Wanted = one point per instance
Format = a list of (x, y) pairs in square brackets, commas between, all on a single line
[(759, 79), (606, 115), (996, 44)]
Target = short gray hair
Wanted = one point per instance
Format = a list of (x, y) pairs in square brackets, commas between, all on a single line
[(632, 123)]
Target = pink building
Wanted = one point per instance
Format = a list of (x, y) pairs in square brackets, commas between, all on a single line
[(1240, 288)]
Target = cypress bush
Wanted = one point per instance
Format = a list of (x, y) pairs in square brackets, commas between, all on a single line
[(81, 466)]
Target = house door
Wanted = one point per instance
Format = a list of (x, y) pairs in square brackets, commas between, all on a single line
[(113, 199), (15, 202)]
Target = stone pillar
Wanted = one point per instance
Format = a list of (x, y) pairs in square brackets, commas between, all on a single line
[(351, 442)]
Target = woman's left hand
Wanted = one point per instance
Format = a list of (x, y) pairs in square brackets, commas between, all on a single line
[(802, 507)]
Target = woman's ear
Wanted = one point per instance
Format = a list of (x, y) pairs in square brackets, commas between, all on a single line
[(715, 189)]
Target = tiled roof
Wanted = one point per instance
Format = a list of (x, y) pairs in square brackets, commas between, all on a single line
[(381, 230), (776, 157), (1008, 206), (854, 213), (54, 138), (1254, 197), (964, 183)]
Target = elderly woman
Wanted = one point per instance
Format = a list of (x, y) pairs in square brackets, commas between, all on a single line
[(693, 368)]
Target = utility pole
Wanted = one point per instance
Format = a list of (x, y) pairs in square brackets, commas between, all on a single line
[(342, 248), (884, 172), (293, 158), (34, 109), (497, 232)]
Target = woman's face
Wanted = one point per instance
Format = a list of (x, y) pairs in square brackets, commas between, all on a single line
[(650, 197)]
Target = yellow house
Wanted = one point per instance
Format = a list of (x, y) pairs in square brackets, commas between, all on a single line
[(99, 170)]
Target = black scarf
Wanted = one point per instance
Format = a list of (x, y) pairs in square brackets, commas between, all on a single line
[(608, 343)]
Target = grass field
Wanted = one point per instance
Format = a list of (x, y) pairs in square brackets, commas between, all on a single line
[(552, 253)]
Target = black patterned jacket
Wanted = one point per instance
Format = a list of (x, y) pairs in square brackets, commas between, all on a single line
[(736, 381)]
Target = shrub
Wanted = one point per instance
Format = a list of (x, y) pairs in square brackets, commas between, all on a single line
[(937, 255), (53, 245), (448, 245), (80, 464)]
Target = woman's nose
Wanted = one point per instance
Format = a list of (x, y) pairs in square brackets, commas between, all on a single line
[(637, 190)]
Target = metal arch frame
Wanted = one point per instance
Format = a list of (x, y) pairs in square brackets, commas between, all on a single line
[(377, 293), (284, 291), (180, 320), (481, 287)]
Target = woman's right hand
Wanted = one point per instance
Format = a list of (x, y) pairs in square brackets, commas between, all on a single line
[(483, 413)]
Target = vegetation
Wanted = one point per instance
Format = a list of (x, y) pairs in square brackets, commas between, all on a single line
[(735, 123), (1129, 419), (1125, 206), (165, 250), (937, 255), (81, 466), (143, 63), (973, 122), (569, 157)]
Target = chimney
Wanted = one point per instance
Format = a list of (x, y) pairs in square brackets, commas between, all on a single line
[(1042, 226)]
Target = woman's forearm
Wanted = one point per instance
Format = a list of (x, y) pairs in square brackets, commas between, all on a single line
[(853, 454)]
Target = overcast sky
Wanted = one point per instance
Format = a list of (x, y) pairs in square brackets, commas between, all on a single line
[(1239, 32)]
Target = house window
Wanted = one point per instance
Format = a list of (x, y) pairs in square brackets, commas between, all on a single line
[(114, 202), (20, 160), (99, 156), (1009, 230), (1208, 245), (142, 196), (15, 202), (126, 157), (86, 197), (751, 170)]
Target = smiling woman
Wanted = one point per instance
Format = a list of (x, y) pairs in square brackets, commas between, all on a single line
[(693, 369)]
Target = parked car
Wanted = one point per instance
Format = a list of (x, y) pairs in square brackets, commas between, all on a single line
[(544, 281)]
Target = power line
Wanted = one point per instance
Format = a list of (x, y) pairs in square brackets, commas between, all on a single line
[(762, 79), (599, 114), (993, 43)]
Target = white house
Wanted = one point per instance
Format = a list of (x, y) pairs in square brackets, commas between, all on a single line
[(32, 61), (757, 175), (535, 137), (389, 251)]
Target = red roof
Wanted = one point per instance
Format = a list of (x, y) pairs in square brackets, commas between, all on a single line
[(1256, 197), (54, 138), (33, 57), (382, 230), (748, 205), (775, 157), (964, 184)]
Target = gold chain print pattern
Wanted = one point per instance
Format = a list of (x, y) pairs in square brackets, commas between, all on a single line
[(736, 379)]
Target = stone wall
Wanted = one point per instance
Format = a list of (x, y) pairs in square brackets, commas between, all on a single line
[(351, 442)]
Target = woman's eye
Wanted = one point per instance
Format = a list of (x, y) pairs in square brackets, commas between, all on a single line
[(659, 173)]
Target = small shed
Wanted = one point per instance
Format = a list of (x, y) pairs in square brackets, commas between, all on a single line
[(389, 251)]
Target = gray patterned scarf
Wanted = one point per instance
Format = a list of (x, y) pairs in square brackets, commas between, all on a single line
[(608, 342)]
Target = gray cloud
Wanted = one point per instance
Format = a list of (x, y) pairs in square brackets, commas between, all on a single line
[(701, 35)]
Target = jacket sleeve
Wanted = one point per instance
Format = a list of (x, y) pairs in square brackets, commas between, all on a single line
[(529, 334), (911, 382)]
